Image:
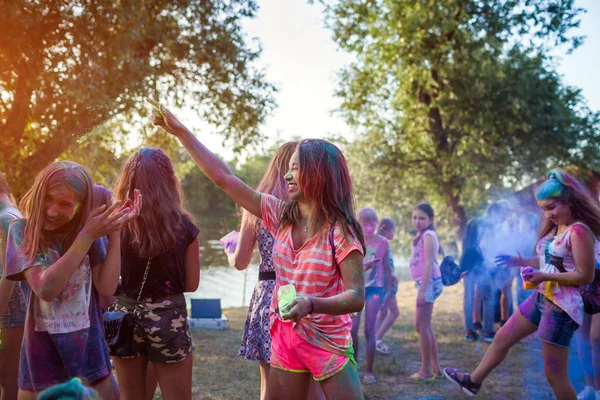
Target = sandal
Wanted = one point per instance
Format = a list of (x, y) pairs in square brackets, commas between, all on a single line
[(382, 347), (466, 385), (369, 379), (417, 378)]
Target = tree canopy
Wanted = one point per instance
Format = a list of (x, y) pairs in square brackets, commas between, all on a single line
[(70, 67), (451, 99)]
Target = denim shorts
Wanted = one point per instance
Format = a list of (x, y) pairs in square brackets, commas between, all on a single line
[(554, 325), (374, 293), (16, 310), (434, 289)]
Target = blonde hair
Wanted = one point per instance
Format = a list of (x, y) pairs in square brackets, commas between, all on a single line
[(78, 180)]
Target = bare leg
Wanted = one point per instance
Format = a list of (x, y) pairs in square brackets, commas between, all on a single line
[(346, 382), (9, 362), (314, 391), (516, 328), (381, 316), (435, 363), (151, 382), (557, 372), (264, 380), (371, 309), (132, 374), (288, 385), (175, 379), (394, 313), (27, 395), (107, 388), (505, 299), (423, 328)]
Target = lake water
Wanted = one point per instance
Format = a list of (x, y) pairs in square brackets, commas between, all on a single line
[(218, 280)]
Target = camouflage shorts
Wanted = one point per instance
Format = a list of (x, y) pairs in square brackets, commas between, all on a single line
[(163, 334)]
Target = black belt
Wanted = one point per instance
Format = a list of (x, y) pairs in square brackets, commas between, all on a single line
[(266, 276)]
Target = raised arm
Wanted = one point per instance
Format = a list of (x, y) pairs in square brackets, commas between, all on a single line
[(106, 276), (211, 165), (241, 257), (48, 281)]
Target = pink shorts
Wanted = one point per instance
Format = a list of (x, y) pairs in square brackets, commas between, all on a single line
[(289, 352)]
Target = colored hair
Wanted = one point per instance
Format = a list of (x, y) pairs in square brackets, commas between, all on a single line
[(78, 180), (428, 210), (273, 181), (386, 225), (160, 223), (71, 390), (564, 187), (368, 214), (102, 196), (324, 178)]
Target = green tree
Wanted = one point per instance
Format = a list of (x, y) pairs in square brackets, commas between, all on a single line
[(452, 99), (69, 66)]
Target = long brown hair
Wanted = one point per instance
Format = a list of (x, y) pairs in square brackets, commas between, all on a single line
[(74, 177), (564, 187), (273, 181), (159, 225), (325, 179)]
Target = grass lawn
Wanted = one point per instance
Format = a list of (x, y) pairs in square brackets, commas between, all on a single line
[(220, 374)]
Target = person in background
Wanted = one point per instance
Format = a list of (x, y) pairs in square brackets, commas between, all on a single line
[(378, 282), (13, 303), (425, 271), (565, 261), (160, 260), (389, 310), (256, 341)]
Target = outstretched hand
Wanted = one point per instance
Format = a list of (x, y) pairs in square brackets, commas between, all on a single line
[(131, 209), (104, 220), (504, 260), (164, 118)]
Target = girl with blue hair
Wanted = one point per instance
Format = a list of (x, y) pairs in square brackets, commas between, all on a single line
[(565, 261)]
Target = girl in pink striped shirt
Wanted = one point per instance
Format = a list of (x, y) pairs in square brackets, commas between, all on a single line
[(318, 248)]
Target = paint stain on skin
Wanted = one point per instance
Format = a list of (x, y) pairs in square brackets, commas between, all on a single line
[(75, 211)]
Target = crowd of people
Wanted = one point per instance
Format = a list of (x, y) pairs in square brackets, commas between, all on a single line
[(71, 248)]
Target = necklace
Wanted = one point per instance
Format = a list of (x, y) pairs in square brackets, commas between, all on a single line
[(306, 228)]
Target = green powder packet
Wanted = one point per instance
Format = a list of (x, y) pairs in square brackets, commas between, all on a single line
[(285, 295)]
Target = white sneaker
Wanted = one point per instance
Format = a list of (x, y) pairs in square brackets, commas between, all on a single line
[(588, 393)]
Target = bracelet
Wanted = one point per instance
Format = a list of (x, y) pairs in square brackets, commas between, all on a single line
[(312, 305)]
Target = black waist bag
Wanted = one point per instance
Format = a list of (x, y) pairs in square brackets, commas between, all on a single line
[(118, 332)]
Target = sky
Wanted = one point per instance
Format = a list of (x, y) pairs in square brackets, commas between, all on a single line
[(302, 60)]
